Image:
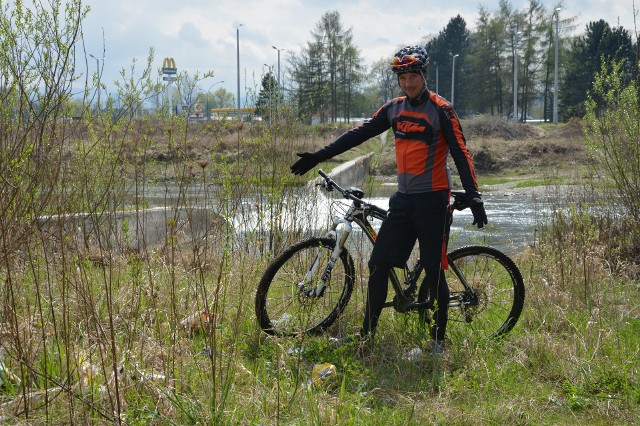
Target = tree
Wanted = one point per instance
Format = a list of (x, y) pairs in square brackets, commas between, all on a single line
[(221, 98), (600, 44), (384, 81), (328, 70), (268, 97), (453, 40), (533, 58), (613, 135), (187, 88), (485, 64), (308, 76), (37, 71)]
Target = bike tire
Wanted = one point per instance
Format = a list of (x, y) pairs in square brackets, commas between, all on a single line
[(499, 287), (283, 310)]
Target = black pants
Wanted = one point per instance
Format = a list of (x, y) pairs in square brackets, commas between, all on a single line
[(423, 217)]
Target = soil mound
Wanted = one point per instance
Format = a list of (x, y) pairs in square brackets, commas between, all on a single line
[(487, 127)]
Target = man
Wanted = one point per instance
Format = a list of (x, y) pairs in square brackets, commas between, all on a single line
[(426, 130)]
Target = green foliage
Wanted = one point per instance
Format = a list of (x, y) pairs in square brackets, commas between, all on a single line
[(327, 71), (453, 39), (36, 73), (597, 50), (613, 135), (268, 98)]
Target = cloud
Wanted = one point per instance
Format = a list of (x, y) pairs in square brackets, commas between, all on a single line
[(190, 34), (202, 34)]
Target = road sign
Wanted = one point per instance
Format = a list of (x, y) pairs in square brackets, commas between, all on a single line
[(169, 66)]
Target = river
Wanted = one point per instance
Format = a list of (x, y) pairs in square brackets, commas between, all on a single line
[(514, 215)]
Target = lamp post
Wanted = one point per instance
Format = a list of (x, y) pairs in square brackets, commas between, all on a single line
[(98, 71), (211, 87), (515, 77), (278, 91), (238, 57), (555, 71), (453, 75)]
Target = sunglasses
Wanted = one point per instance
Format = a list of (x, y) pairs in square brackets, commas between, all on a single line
[(404, 60)]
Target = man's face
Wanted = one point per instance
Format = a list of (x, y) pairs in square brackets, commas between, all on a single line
[(411, 84)]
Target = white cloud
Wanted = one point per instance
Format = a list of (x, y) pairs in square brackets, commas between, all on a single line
[(201, 34)]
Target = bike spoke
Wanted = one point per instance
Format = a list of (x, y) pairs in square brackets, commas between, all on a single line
[(496, 300), (289, 308)]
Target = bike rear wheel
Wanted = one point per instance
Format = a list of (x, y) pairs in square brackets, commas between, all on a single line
[(290, 301), (495, 304)]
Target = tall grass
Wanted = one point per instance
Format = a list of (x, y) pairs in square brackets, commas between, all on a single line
[(99, 329), (102, 321)]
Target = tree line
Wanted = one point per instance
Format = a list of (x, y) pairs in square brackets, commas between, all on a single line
[(509, 51)]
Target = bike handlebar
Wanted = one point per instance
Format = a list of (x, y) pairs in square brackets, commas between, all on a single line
[(330, 185), (459, 197), (354, 195)]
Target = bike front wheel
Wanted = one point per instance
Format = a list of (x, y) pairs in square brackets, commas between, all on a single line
[(299, 293), (487, 292)]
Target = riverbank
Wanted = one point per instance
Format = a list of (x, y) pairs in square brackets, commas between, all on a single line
[(509, 157), (503, 151)]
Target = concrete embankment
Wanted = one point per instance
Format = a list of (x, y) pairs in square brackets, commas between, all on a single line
[(143, 228), (350, 173), (135, 229)]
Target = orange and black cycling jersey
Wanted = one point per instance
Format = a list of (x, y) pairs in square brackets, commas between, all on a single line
[(426, 130)]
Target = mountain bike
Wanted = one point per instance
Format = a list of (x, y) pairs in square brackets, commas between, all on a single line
[(306, 288)]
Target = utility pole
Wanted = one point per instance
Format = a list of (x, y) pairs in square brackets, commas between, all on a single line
[(453, 75), (238, 68), (555, 71)]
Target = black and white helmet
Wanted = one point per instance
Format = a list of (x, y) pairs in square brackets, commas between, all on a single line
[(410, 59)]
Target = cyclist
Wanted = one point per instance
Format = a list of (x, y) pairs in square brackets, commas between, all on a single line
[(426, 130)]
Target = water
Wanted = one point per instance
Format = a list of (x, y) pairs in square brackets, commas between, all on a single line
[(514, 217), (514, 220)]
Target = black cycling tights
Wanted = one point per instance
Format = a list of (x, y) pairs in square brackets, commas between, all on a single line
[(435, 283), (377, 296)]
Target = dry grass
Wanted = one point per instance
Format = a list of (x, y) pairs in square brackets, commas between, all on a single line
[(93, 333)]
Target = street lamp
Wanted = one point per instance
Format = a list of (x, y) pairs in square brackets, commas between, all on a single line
[(515, 77), (555, 70), (238, 56), (208, 91), (453, 75), (278, 92), (98, 71)]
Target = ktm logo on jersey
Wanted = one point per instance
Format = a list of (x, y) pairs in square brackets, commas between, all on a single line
[(410, 127)]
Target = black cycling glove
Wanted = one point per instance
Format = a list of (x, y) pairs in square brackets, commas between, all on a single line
[(307, 161), (477, 208)]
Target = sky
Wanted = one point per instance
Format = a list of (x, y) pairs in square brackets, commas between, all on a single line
[(203, 35)]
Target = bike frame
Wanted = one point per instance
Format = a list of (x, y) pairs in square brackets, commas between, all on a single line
[(341, 229), (492, 292)]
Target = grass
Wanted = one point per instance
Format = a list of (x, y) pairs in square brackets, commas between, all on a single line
[(95, 332), (524, 182)]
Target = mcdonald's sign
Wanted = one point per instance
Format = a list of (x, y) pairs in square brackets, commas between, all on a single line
[(169, 66)]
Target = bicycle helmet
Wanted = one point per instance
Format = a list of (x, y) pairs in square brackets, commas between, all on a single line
[(410, 59)]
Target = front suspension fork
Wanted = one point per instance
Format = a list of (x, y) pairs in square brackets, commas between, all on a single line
[(340, 235)]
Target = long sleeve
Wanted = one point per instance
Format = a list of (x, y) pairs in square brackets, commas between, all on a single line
[(374, 126), (458, 148)]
